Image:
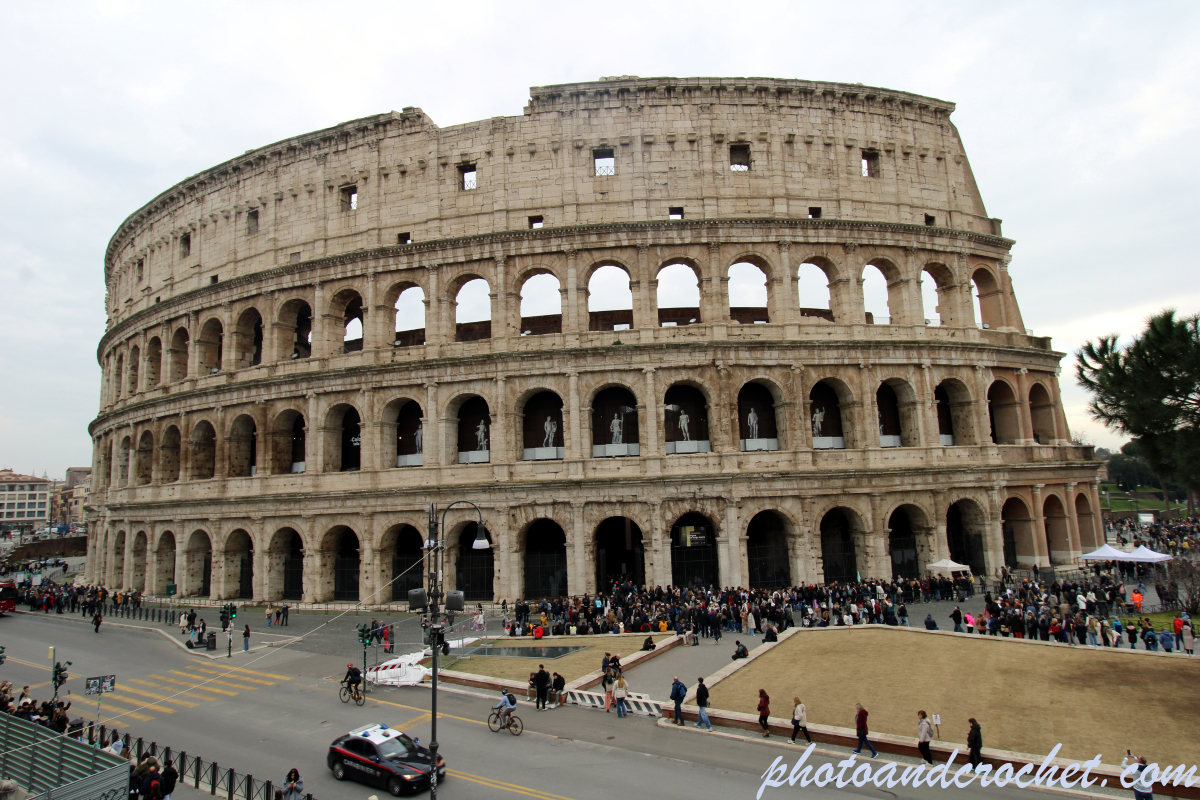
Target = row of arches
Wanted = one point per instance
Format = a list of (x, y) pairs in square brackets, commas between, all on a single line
[(879, 291), (339, 565), (617, 419)]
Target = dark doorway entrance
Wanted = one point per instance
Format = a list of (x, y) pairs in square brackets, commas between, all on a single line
[(767, 552), (619, 553), (545, 560), (694, 552), (837, 548), (474, 569)]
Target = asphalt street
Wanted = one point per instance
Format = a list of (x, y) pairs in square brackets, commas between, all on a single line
[(278, 708)]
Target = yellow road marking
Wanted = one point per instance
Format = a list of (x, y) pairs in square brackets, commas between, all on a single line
[(28, 663), (156, 696), (114, 711), (423, 711), (195, 694), (141, 704), (235, 675), (239, 670), (209, 680), (507, 787), (419, 719), (190, 685)]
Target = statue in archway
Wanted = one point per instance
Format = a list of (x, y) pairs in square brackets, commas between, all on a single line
[(617, 428), (752, 423), (684, 419), (551, 428), (818, 420), (419, 437), (481, 435)]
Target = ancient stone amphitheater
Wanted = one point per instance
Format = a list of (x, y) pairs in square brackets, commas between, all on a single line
[(587, 319)]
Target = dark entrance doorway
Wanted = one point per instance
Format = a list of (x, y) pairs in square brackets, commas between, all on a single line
[(474, 569), (767, 552), (346, 567), (694, 552), (545, 560), (837, 547), (904, 546), (619, 553)]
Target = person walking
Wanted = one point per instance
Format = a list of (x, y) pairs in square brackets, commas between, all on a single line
[(1189, 637), (702, 705), (170, 776), (924, 736), (860, 727), (270, 614), (96, 620), (606, 683), (799, 720), (183, 624), (678, 692), (764, 711), (293, 785), (621, 694), (246, 640), (1140, 761), (285, 615), (957, 617), (974, 743), (541, 682)]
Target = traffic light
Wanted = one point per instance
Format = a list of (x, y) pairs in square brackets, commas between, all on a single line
[(59, 676), (364, 633), (233, 611), (224, 617)]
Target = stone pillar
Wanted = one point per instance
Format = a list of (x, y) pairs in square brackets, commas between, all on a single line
[(1025, 419), (1072, 520), (369, 430), (502, 424), (714, 288), (659, 569), (502, 303), (368, 569), (193, 346), (645, 310), (314, 437), (1041, 540), (507, 581), (650, 417), (580, 579), (260, 558), (574, 318), (320, 326), (781, 306), (433, 445), (575, 420), (1061, 428), (435, 308)]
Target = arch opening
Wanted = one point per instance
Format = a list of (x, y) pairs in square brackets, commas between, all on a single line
[(343, 545), (1017, 530), (1088, 538), (610, 300), (839, 561), (694, 561), (965, 530), (826, 414), (542, 428), (1058, 533), (169, 455), (248, 339), (620, 554), (410, 318), (135, 360), (211, 346), (902, 543), (685, 421), (473, 311), (289, 439), (1041, 413), (138, 555), (815, 294), (987, 299), (403, 553), (239, 566), (198, 566), (243, 447), (118, 377), (474, 431), (123, 461), (615, 424), (767, 560), (945, 416), (1002, 414), (678, 296), (545, 560), (474, 570), (887, 406), (204, 451), (117, 561), (757, 423), (285, 566), (144, 459), (931, 300), (178, 355), (541, 305), (164, 563), (875, 296), (153, 362), (353, 316), (410, 434), (748, 295), (295, 330)]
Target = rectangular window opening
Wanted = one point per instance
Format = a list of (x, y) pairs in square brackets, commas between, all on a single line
[(349, 198), (185, 245), (403, 238), (739, 157), (536, 222), (213, 279), (467, 175), (252, 222), (605, 161), (141, 269), (294, 258), (930, 219), (814, 212), (675, 212), (870, 163)]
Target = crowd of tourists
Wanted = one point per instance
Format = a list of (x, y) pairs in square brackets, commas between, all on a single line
[(1174, 536)]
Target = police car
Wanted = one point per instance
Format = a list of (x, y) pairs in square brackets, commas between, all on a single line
[(382, 756)]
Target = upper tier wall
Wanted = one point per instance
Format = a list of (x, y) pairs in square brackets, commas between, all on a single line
[(671, 138)]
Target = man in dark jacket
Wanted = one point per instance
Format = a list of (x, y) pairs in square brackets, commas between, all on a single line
[(957, 617), (152, 787), (169, 777), (702, 702), (974, 743), (930, 625), (541, 682), (678, 692)]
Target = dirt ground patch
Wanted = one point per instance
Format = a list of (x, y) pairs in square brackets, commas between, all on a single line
[(1026, 698), (572, 666)]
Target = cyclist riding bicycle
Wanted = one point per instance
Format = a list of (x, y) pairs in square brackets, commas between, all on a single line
[(505, 707), (353, 677)]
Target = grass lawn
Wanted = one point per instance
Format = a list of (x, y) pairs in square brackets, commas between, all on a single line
[(1026, 698), (572, 666)]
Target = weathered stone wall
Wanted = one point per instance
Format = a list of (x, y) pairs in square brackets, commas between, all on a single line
[(203, 375)]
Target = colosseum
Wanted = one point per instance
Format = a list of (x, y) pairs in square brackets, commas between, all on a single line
[(629, 324)]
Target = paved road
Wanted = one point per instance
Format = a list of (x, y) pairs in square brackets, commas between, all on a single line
[(281, 711)]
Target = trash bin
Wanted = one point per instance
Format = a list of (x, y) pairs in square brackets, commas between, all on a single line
[(211, 642)]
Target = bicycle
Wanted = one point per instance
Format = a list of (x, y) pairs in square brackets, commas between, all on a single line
[(515, 726), (355, 692)]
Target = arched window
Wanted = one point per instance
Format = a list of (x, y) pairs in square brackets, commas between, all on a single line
[(473, 311), (930, 301), (965, 528), (403, 551), (756, 418), (179, 355), (1017, 529), (615, 424), (118, 376), (748, 294), (678, 296), (410, 434), (542, 427), (285, 577), (826, 417), (541, 305), (288, 436), (348, 304), (1041, 412), (838, 556), (342, 544), (988, 299), (135, 358), (204, 451), (474, 432), (343, 439), (295, 330), (545, 560), (474, 570), (169, 456), (767, 552), (875, 296), (143, 464), (212, 346), (620, 553), (815, 297), (902, 541), (243, 447), (694, 561), (685, 422), (410, 317), (1002, 411), (610, 300), (888, 407), (248, 339), (153, 362)]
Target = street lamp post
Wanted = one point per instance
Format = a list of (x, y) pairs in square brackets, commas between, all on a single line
[(436, 628)]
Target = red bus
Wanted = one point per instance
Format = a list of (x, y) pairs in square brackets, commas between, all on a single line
[(8, 596)]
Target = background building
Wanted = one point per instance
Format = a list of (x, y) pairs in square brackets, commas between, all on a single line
[(26, 501), (588, 319)]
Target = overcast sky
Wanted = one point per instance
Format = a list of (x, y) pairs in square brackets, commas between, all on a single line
[(1080, 120)]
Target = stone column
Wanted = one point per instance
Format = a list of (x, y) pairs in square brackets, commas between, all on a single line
[(435, 308), (783, 307), (579, 578), (320, 326), (574, 420), (193, 327), (574, 319), (645, 313), (314, 438), (1041, 540), (650, 419), (659, 570), (433, 445), (714, 289), (368, 569), (502, 302), (502, 423), (260, 558), (1024, 418), (1072, 520)]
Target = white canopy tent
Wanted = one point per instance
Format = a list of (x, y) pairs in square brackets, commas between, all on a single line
[(1147, 556), (946, 565), (1107, 553)]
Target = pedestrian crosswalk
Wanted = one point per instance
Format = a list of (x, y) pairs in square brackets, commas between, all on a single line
[(163, 693)]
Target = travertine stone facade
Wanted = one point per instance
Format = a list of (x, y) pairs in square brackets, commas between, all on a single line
[(251, 441)]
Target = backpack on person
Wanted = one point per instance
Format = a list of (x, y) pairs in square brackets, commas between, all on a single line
[(154, 790), (511, 698)]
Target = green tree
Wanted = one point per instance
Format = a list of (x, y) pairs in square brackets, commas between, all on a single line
[(1150, 390)]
